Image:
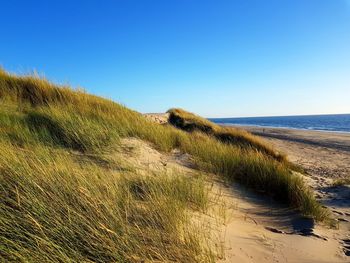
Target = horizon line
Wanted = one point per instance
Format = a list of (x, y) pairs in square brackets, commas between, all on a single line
[(271, 116)]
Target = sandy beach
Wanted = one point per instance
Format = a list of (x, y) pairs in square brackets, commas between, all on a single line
[(320, 153), (253, 228), (260, 230), (325, 156)]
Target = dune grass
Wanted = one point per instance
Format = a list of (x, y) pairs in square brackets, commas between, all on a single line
[(55, 209), (190, 122)]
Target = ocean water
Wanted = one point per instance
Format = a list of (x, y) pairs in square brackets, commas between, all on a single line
[(336, 123)]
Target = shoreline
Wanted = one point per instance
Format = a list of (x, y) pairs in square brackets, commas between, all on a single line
[(338, 141), (321, 153), (280, 127)]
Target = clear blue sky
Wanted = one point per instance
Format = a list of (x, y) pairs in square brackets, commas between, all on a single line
[(215, 58)]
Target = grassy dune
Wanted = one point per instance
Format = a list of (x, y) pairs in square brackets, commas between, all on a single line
[(55, 209), (56, 206), (190, 122)]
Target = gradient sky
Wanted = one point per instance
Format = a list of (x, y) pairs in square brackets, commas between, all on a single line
[(215, 58)]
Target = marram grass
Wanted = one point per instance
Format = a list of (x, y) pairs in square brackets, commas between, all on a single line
[(190, 122), (55, 208)]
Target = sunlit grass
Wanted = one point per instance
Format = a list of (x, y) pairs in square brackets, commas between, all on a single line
[(57, 208), (190, 122), (54, 209)]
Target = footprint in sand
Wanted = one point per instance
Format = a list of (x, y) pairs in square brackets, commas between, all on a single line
[(346, 247)]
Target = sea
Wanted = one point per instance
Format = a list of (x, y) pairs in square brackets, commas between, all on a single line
[(334, 122)]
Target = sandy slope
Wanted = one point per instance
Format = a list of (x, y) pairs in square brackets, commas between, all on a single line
[(325, 156), (262, 231), (247, 233)]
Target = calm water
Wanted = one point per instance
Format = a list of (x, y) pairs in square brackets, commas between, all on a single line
[(337, 123)]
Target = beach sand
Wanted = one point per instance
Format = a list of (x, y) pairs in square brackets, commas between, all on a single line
[(245, 227), (321, 154), (258, 229), (325, 157)]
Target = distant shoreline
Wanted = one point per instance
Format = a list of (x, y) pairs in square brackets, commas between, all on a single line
[(339, 123), (328, 139), (280, 127)]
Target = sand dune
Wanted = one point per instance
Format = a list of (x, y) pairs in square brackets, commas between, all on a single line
[(255, 229)]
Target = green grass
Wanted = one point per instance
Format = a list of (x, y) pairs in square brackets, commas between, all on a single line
[(56, 208), (190, 122)]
